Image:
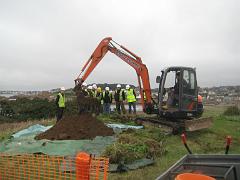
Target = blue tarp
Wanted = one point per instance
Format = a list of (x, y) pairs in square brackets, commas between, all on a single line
[(35, 129)]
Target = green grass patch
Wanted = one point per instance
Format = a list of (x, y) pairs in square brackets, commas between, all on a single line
[(115, 118), (7, 129), (207, 141), (232, 111), (136, 144), (151, 142)]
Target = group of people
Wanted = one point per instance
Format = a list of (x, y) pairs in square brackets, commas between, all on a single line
[(104, 97)]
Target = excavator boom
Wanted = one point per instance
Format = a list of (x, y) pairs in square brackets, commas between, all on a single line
[(107, 44)]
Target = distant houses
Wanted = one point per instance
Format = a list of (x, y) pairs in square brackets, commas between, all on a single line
[(222, 94), (213, 95)]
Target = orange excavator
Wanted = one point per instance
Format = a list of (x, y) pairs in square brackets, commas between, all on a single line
[(177, 102), (107, 44)]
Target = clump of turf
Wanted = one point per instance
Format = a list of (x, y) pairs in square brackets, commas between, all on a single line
[(136, 144), (232, 111)]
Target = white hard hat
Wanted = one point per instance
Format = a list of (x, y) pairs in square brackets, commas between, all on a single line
[(62, 88), (94, 86), (127, 86), (119, 86), (84, 84), (90, 87), (107, 88)]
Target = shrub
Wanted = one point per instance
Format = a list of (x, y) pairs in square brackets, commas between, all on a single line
[(135, 145), (232, 111), (71, 107), (127, 153), (25, 109)]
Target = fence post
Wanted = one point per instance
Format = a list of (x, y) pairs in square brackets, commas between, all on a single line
[(83, 166)]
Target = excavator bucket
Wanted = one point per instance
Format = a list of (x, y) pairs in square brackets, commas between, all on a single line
[(86, 104), (197, 124)]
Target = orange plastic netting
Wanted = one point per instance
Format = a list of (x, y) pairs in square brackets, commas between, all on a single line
[(38, 167)]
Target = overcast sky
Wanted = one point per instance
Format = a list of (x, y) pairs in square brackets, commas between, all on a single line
[(44, 43)]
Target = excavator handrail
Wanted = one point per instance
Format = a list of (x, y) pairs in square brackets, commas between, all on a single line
[(107, 44)]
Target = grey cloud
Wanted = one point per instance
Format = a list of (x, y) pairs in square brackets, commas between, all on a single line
[(44, 44)]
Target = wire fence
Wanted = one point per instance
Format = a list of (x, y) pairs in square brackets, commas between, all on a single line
[(41, 167)]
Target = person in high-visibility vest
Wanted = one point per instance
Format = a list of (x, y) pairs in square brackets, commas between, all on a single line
[(119, 97), (131, 98), (94, 89), (144, 95), (84, 89), (90, 91), (107, 100), (99, 98), (99, 93), (60, 103)]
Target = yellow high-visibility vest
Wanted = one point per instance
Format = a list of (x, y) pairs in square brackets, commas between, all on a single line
[(130, 96), (61, 101), (144, 96)]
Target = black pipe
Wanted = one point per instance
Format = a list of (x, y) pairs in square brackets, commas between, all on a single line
[(184, 140), (228, 143)]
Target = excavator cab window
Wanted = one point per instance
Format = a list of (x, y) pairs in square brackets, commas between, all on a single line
[(171, 91), (189, 91)]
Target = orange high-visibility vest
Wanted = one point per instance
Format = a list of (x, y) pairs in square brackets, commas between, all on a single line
[(200, 99)]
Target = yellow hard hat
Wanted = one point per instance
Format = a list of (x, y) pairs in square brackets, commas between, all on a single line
[(99, 89)]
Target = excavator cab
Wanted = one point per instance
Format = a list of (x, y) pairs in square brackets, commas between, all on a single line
[(178, 92)]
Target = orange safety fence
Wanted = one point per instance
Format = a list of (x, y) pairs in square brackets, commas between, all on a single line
[(41, 167)]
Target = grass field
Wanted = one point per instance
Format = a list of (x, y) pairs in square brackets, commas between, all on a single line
[(209, 141), (202, 142)]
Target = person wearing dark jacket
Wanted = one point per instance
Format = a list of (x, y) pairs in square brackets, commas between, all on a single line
[(107, 100), (60, 103), (119, 97), (176, 88)]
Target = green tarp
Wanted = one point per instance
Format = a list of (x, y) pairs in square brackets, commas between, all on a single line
[(24, 142), (58, 147)]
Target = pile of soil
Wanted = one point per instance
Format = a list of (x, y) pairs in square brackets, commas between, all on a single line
[(77, 127)]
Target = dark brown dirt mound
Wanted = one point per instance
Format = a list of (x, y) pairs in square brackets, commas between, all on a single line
[(76, 127)]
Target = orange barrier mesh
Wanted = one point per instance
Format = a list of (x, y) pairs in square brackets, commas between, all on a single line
[(39, 167)]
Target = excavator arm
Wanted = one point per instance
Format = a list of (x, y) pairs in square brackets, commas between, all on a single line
[(107, 44)]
